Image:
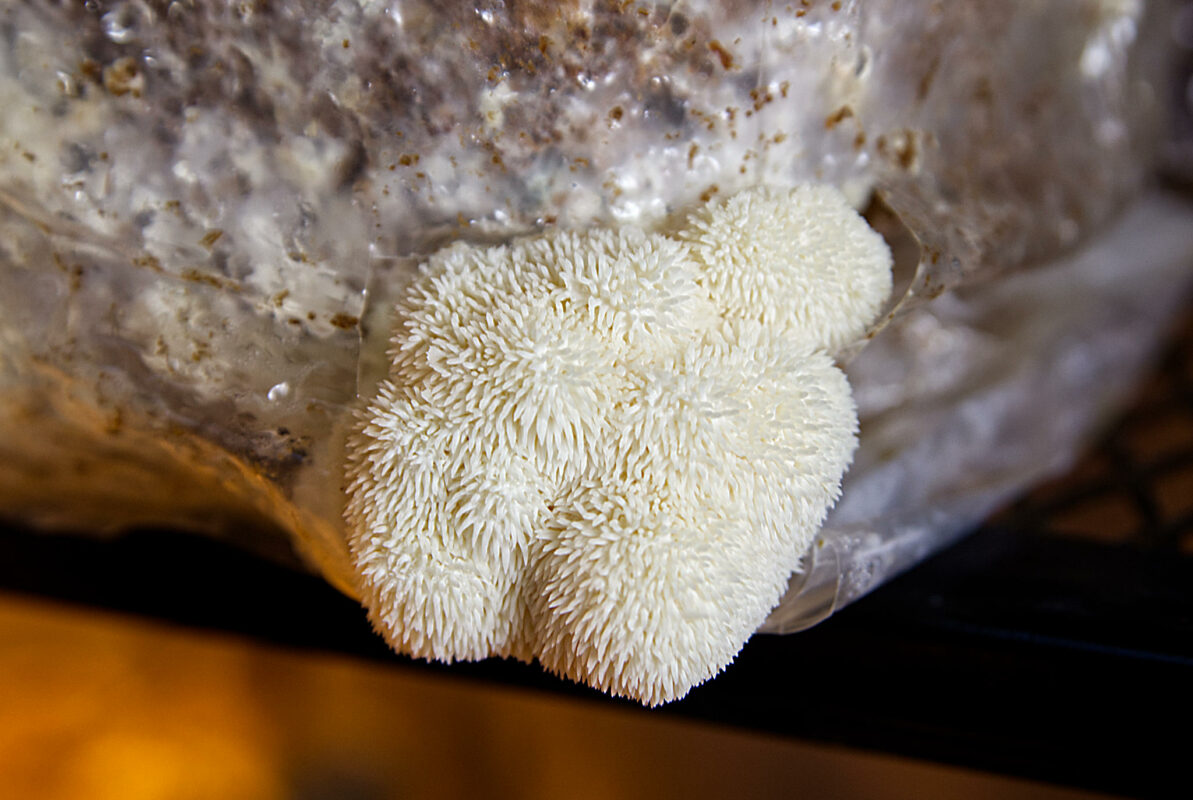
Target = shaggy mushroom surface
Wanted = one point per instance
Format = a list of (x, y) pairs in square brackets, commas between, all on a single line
[(609, 449)]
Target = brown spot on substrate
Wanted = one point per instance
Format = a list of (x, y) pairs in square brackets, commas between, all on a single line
[(344, 321)]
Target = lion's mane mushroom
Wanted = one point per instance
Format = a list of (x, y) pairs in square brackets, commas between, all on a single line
[(609, 449)]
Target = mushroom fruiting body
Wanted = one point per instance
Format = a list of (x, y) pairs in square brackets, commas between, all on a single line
[(609, 449)]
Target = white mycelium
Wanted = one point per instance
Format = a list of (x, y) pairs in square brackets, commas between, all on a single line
[(609, 449)]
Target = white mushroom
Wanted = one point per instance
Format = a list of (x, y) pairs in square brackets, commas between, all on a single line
[(588, 452)]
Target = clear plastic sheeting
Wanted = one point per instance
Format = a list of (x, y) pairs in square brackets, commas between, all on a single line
[(206, 208), (970, 399)]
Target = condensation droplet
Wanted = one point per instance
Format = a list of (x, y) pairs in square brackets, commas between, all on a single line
[(116, 28), (67, 84)]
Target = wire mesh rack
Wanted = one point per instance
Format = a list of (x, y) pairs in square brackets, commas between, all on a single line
[(1135, 486)]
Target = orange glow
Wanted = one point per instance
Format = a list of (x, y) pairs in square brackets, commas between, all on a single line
[(95, 705)]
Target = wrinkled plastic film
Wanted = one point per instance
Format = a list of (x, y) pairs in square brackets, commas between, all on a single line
[(206, 212), (968, 400)]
